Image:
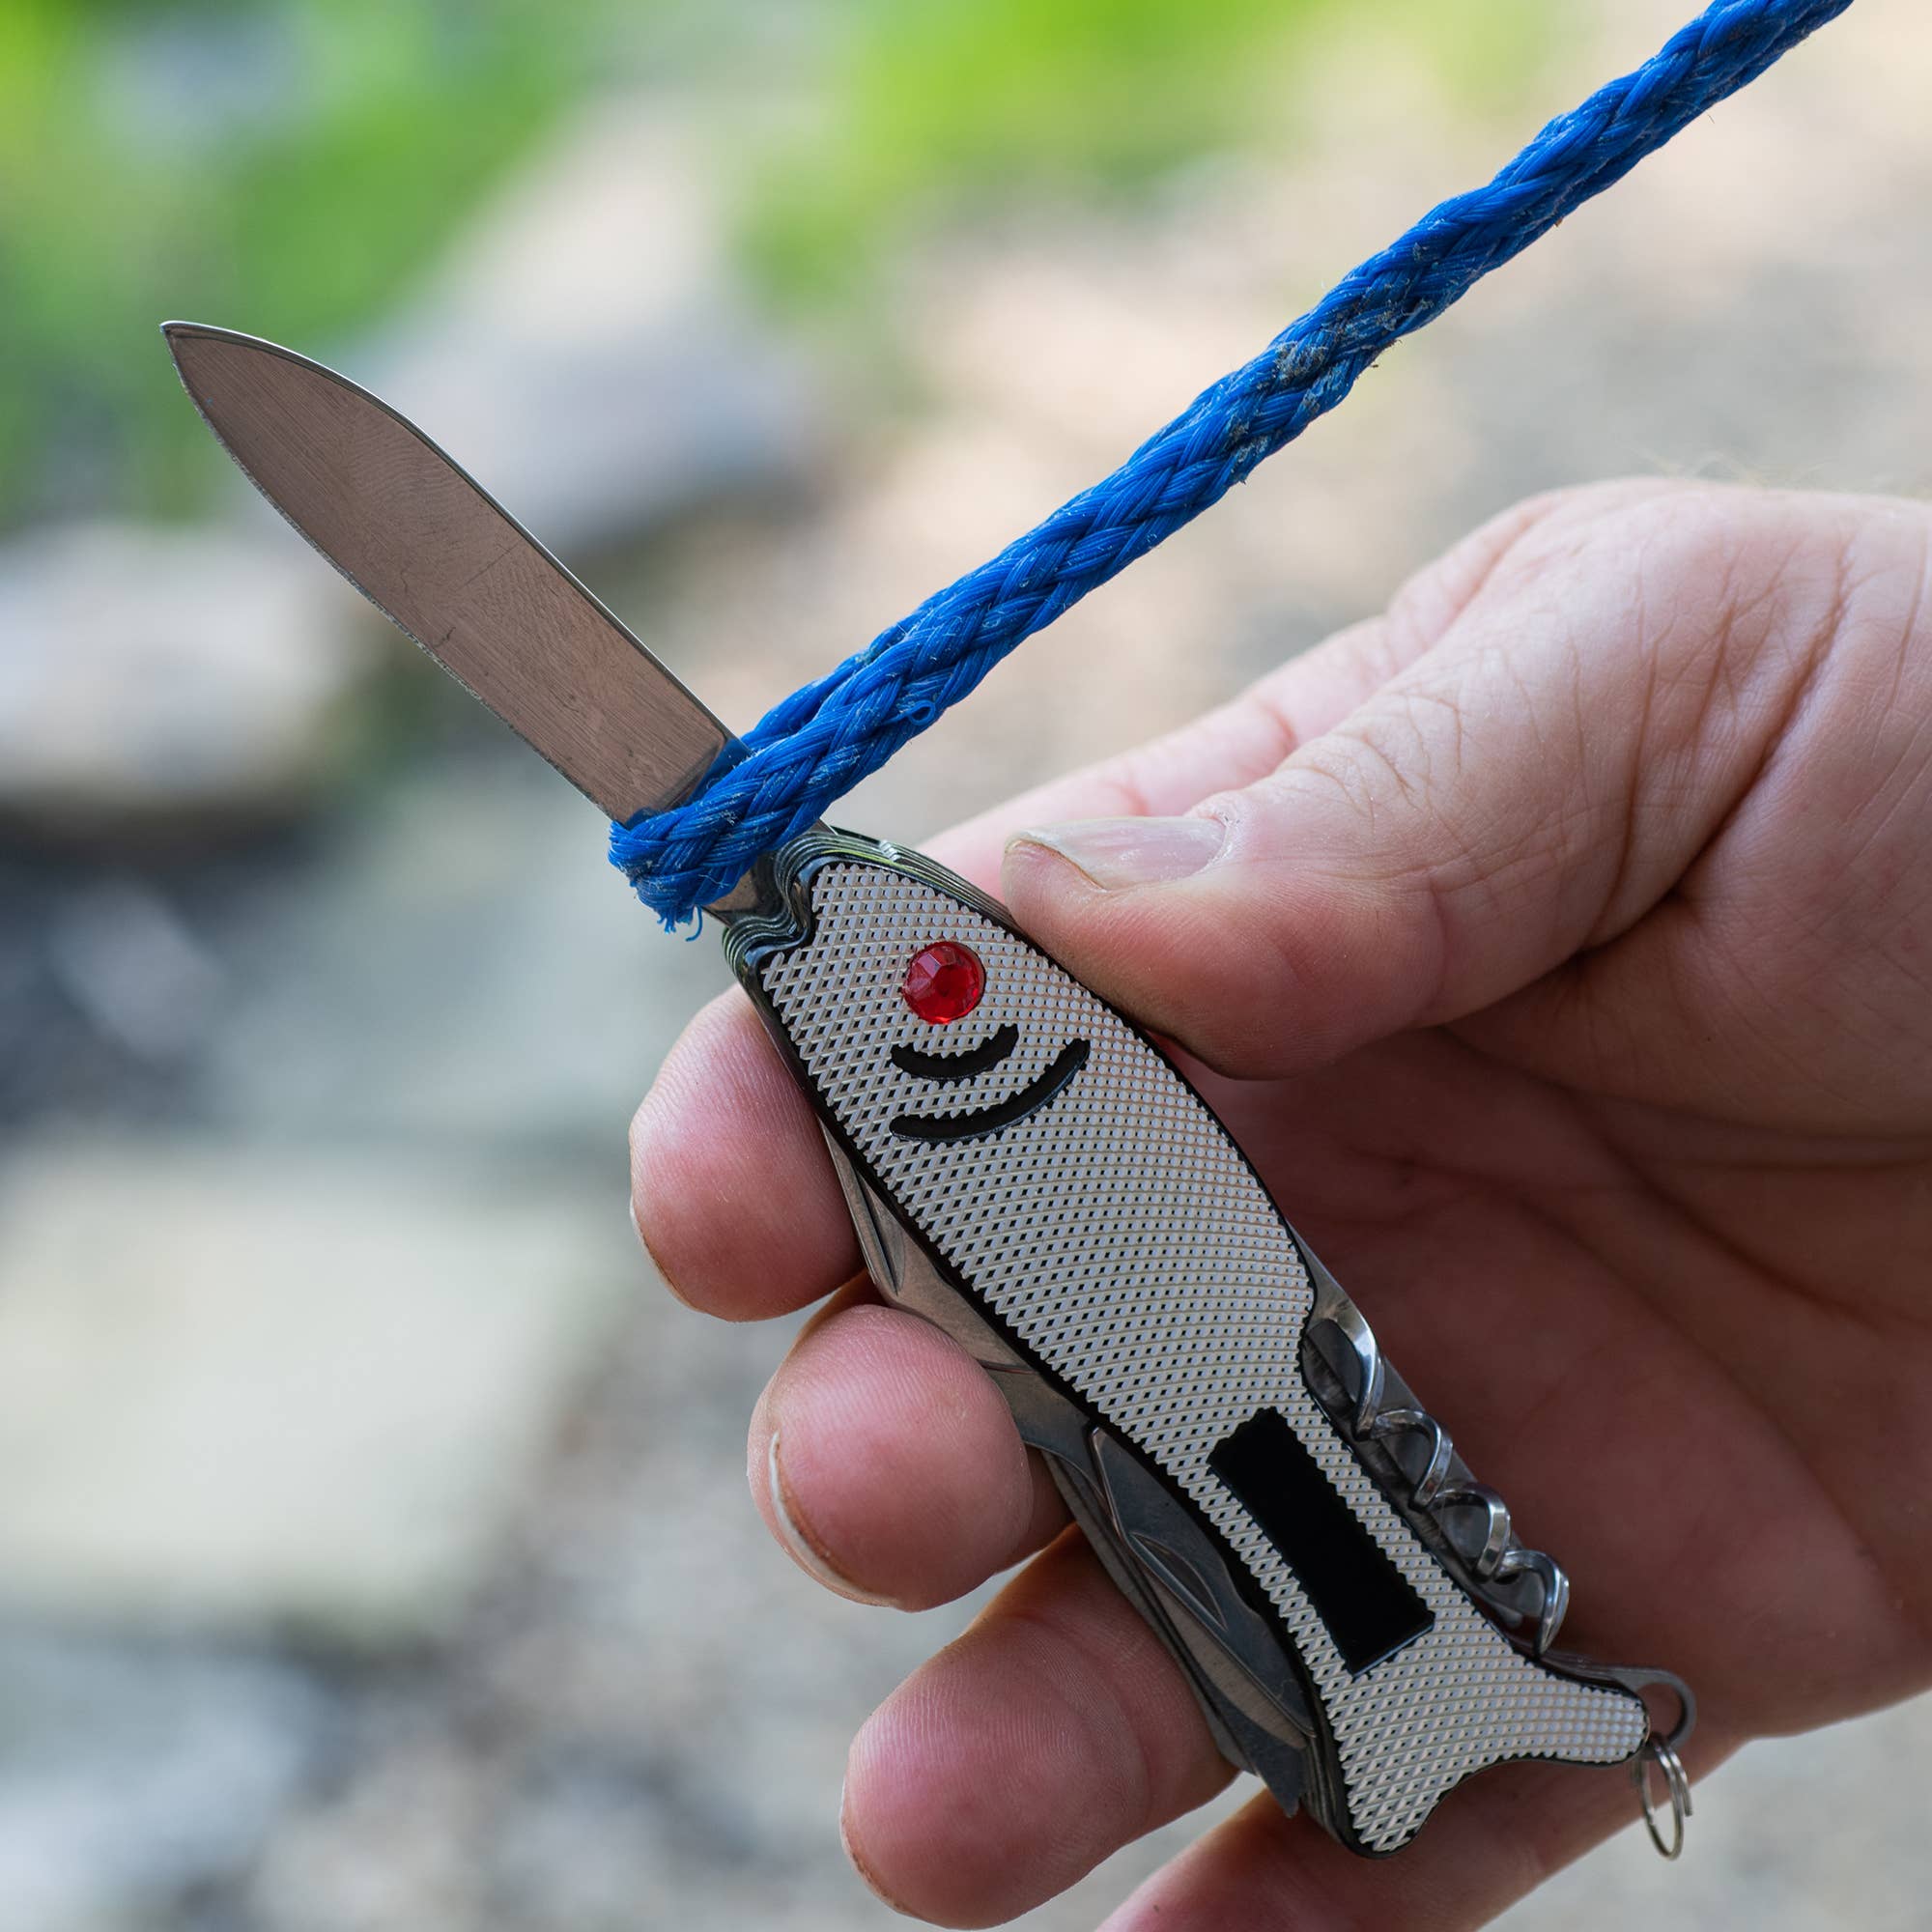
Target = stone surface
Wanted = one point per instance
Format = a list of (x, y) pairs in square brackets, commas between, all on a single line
[(149, 676), (467, 966), (130, 1773), (280, 1386), (583, 351)]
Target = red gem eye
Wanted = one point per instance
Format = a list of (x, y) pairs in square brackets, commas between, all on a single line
[(944, 981)]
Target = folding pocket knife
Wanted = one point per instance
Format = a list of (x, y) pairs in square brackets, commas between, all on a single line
[(1026, 1169)]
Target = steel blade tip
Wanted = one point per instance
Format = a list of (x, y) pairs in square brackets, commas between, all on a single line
[(438, 556), (185, 338), (200, 350), (181, 338)]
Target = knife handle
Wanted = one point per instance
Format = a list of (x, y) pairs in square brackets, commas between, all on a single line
[(1026, 1169)]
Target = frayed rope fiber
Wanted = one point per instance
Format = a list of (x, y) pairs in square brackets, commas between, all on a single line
[(823, 739)]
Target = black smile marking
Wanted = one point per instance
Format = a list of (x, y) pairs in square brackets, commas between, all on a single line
[(958, 1065), (1030, 1098)]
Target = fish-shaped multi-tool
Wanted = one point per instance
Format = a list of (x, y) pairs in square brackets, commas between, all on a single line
[(1027, 1170)]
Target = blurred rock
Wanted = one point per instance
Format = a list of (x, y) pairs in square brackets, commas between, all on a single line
[(586, 352), (150, 676), (127, 958), (282, 1386), (131, 1772), (468, 968)]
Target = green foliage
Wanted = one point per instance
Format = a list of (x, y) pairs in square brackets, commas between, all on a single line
[(932, 103), (283, 167), (288, 167)]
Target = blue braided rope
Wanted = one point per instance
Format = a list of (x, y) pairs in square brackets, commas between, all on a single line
[(823, 739)]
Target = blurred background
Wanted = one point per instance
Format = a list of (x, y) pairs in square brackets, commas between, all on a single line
[(374, 1554)]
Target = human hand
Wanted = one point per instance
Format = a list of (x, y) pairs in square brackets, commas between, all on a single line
[(1559, 949)]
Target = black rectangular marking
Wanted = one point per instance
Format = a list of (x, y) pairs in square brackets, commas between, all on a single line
[(1368, 1606)]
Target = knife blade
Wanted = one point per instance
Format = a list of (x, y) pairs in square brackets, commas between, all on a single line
[(439, 558), (1026, 1169)]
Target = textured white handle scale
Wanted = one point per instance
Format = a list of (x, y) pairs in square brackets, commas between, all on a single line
[(1121, 1239)]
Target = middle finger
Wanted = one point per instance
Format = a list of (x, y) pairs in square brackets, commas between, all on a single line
[(885, 1463)]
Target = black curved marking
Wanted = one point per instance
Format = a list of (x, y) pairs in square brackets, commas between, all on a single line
[(1030, 1098), (958, 1065)]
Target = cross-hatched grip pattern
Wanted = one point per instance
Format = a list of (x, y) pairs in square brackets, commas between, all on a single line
[(1120, 1238)]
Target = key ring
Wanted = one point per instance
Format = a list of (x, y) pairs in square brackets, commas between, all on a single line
[(1676, 1784), (1655, 1751)]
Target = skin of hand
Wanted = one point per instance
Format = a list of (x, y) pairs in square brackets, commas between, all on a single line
[(1559, 947)]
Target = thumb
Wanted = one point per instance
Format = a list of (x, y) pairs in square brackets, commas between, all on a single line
[(1526, 788)]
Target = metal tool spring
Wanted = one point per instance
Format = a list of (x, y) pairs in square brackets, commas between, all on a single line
[(1444, 1486)]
